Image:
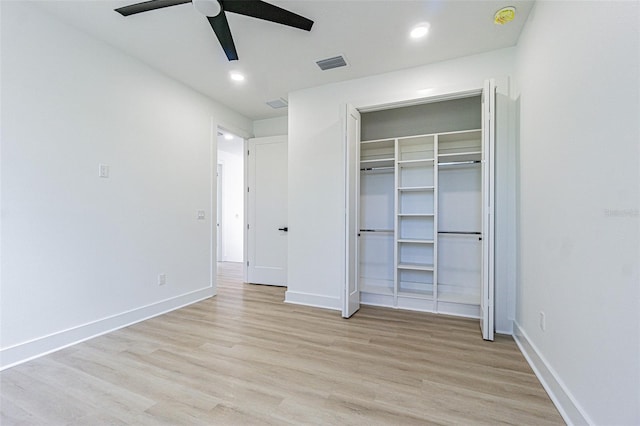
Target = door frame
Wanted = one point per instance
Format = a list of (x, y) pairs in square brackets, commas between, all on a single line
[(218, 219), (245, 226), (217, 199)]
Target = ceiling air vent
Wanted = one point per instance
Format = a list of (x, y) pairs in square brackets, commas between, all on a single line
[(277, 103), (330, 63)]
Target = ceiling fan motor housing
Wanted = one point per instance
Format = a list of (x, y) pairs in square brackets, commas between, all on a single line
[(209, 8)]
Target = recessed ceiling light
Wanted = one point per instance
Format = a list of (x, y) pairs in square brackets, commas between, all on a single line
[(504, 15), (420, 30), (236, 76)]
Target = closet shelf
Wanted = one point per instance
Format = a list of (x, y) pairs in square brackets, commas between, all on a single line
[(377, 162), (414, 241), (415, 188), (459, 158), (455, 154), (461, 163), (415, 266), (374, 160), (416, 214), (386, 141), (418, 162)]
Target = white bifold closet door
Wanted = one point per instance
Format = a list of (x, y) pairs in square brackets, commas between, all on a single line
[(488, 200), (351, 295)]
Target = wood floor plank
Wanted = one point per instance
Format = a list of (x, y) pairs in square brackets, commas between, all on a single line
[(245, 357)]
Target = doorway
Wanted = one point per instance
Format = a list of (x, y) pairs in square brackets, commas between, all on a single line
[(230, 198)]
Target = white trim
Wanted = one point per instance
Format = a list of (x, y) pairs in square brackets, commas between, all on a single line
[(245, 211), (508, 331), (213, 201), (344, 123), (26, 351), (217, 223), (565, 402), (315, 300)]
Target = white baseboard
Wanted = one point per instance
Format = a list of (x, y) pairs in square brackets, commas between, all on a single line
[(506, 327), (569, 409), (315, 300), (26, 351)]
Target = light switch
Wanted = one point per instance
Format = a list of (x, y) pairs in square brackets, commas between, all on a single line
[(103, 171), (201, 215)]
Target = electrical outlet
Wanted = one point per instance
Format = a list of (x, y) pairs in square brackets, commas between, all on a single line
[(543, 321), (200, 214), (162, 279)]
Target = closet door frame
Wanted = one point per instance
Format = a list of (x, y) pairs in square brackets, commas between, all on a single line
[(487, 287)]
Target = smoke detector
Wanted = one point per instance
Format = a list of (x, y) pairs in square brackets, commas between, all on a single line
[(504, 15)]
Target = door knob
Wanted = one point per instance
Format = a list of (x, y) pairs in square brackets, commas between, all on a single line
[(285, 229)]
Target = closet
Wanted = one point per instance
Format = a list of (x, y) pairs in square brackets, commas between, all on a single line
[(424, 233)]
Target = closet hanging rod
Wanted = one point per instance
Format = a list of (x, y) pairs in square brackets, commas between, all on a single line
[(376, 230), (377, 168), (460, 232), (452, 163)]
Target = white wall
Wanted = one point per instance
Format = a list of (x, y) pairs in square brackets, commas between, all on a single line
[(270, 127), (231, 156), (316, 169), (579, 208), (81, 254)]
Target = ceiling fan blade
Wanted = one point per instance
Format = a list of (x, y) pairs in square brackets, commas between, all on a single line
[(262, 10), (223, 32), (148, 5)]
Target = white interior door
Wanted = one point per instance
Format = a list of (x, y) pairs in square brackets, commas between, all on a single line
[(351, 302), (488, 173), (267, 211)]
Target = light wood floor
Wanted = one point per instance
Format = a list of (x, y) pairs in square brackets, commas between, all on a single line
[(245, 357)]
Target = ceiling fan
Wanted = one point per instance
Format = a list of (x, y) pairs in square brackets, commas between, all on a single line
[(215, 10)]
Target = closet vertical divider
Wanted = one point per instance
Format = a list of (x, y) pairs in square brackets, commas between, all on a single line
[(435, 223), (396, 219)]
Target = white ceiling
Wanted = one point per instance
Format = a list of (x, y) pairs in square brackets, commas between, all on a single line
[(372, 35)]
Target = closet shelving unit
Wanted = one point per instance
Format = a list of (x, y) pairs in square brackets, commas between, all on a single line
[(415, 207), (420, 222)]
